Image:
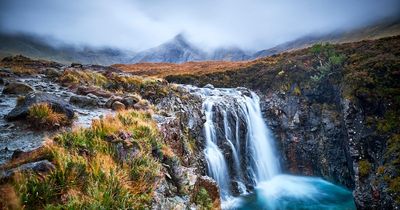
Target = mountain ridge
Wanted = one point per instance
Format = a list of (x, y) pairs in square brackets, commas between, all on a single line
[(178, 49)]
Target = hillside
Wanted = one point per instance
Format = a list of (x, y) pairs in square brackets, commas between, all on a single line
[(38, 48), (384, 28)]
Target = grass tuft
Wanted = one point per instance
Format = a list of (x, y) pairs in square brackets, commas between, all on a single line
[(42, 116)]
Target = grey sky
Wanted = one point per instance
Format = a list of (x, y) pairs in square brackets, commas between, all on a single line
[(134, 24)]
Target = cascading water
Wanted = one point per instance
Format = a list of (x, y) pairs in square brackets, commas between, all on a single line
[(241, 158)]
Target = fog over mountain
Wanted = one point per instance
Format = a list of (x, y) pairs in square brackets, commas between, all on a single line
[(139, 25)]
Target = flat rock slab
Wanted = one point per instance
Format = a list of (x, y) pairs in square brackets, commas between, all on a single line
[(17, 88)]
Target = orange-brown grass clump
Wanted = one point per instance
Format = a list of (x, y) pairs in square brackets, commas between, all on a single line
[(83, 77), (91, 172), (166, 69), (41, 115)]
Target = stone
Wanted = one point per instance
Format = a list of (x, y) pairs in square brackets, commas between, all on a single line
[(91, 95), (17, 88), (130, 100), (143, 105), (20, 111), (117, 106), (84, 101), (209, 86), (5, 70), (111, 100)]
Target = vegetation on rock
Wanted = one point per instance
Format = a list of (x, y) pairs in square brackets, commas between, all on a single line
[(41, 115), (203, 199)]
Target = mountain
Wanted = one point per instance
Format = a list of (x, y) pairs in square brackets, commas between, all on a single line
[(179, 49), (35, 47), (229, 54)]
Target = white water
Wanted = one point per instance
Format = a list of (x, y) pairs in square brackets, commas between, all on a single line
[(217, 168), (235, 128), (252, 154)]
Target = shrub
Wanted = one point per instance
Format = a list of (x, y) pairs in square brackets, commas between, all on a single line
[(328, 59), (203, 199), (364, 168)]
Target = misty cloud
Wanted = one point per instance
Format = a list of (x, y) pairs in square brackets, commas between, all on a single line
[(249, 24)]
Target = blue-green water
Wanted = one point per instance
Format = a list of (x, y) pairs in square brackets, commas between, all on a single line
[(293, 193)]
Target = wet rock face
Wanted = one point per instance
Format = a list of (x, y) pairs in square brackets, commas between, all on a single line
[(311, 137), (56, 103), (182, 127), (326, 136)]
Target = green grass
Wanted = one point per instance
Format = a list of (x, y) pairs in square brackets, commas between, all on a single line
[(90, 174), (203, 199)]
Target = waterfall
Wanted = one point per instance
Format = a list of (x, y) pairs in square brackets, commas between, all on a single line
[(239, 149), (241, 158)]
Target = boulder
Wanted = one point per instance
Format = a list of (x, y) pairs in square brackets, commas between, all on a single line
[(118, 106), (83, 90), (210, 86), (111, 100), (17, 88), (130, 100), (39, 166), (56, 103), (84, 101)]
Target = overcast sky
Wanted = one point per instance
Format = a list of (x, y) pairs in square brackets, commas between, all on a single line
[(137, 25)]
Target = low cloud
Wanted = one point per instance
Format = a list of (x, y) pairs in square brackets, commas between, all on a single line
[(137, 25)]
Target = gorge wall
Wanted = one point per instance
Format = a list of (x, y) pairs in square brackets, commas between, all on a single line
[(334, 112)]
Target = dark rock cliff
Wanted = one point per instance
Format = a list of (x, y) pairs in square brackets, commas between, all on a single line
[(334, 112)]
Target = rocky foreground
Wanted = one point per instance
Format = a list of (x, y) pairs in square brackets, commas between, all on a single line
[(95, 137)]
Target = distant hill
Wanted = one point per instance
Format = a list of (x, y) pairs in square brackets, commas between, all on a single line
[(384, 28), (178, 49), (34, 47)]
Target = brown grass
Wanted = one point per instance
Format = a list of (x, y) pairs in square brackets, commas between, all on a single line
[(9, 198), (42, 116), (165, 69)]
